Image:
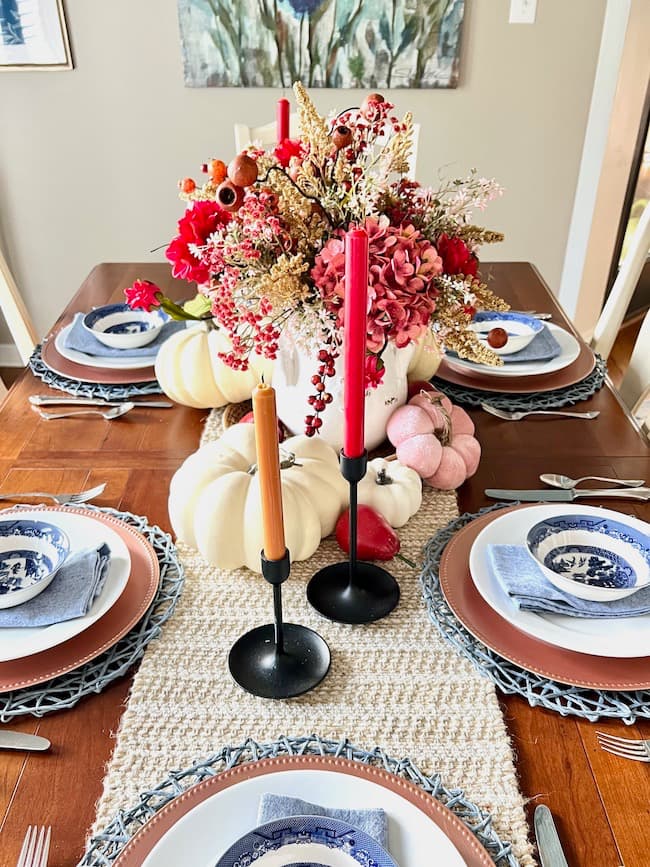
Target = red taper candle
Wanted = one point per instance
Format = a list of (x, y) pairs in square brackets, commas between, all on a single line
[(354, 340), (282, 119)]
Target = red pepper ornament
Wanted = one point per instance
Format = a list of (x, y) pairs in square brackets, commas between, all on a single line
[(376, 539)]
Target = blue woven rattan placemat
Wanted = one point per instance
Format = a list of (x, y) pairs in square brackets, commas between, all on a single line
[(93, 390), (65, 691), (535, 400), (510, 678), (105, 847)]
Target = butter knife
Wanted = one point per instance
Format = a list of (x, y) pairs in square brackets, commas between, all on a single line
[(546, 496), (548, 842), (19, 741), (47, 400)]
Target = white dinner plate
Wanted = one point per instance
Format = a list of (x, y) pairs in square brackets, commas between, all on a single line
[(569, 346), (202, 836), (83, 532), (121, 362), (622, 637)]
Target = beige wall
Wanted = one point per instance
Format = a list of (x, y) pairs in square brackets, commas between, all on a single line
[(89, 159)]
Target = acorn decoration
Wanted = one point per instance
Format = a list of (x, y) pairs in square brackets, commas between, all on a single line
[(341, 137), (229, 196), (242, 171)]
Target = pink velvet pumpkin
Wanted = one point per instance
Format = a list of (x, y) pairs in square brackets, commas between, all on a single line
[(436, 439)]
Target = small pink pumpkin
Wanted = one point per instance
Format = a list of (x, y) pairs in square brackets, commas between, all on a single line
[(436, 439)]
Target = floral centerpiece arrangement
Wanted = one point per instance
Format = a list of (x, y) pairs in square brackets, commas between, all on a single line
[(264, 240)]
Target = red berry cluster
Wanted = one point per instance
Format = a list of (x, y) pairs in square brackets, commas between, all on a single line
[(319, 401)]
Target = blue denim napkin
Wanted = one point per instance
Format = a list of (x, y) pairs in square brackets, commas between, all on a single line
[(543, 347), (80, 339), (373, 822), (521, 577), (73, 590)]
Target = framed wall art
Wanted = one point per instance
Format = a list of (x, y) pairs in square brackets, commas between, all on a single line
[(33, 35), (323, 43)]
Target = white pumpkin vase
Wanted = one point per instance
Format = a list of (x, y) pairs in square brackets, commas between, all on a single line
[(214, 498), (292, 373)]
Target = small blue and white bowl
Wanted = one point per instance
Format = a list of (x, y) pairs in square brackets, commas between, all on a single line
[(31, 553), (120, 327), (520, 329), (306, 841), (591, 557)]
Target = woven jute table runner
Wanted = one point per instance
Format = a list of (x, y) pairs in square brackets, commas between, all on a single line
[(393, 684)]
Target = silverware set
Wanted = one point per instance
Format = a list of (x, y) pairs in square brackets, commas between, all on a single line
[(548, 840), (109, 414), (21, 741), (564, 489), (626, 748), (517, 416), (60, 499), (106, 409), (36, 847)]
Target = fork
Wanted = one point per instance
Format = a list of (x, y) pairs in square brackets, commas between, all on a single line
[(36, 847), (627, 748), (516, 416), (61, 499)]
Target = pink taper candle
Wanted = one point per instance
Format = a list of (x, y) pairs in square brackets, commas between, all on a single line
[(354, 340), (282, 119)]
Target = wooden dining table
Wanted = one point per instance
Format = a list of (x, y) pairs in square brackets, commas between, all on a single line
[(601, 803)]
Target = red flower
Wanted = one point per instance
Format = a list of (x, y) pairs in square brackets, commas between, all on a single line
[(289, 147), (194, 229), (456, 256), (375, 370), (143, 294)]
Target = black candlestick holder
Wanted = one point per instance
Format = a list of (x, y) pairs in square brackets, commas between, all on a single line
[(353, 591), (279, 660)]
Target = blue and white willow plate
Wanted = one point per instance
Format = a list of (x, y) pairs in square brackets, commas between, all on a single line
[(120, 327), (306, 841), (31, 553), (591, 557)]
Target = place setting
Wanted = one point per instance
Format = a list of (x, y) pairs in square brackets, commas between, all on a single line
[(109, 352), (543, 365), (254, 802), (74, 582), (551, 600)]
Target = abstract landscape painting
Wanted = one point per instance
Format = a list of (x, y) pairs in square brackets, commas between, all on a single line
[(323, 43)]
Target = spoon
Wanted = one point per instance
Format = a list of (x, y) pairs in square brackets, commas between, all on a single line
[(564, 482), (113, 412)]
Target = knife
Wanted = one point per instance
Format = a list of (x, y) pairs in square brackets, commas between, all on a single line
[(558, 496), (46, 400), (548, 842), (19, 741)]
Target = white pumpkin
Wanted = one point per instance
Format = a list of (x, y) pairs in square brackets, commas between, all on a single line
[(393, 490), (214, 498), (190, 371), (426, 358)]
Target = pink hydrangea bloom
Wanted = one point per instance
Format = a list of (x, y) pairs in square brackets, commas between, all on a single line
[(401, 294)]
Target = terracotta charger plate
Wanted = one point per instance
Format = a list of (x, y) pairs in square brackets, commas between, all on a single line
[(530, 653), (105, 632), (100, 375), (570, 375), (141, 845)]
